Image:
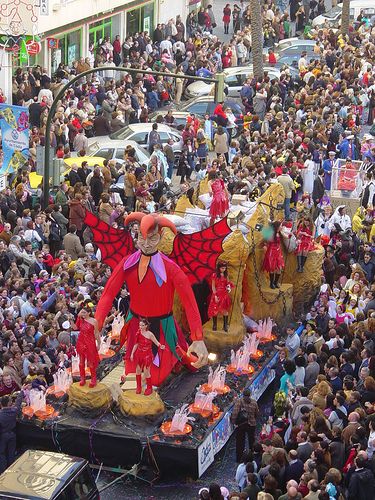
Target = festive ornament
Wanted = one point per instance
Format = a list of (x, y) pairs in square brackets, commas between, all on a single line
[(33, 47)]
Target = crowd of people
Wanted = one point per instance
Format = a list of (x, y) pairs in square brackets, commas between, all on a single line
[(319, 443)]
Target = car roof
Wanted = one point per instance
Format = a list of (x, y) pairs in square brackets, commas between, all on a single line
[(144, 127), (39, 474)]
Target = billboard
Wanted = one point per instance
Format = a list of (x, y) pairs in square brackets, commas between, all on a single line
[(14, 123)]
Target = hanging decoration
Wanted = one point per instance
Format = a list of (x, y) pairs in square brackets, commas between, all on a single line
[(33, 47), (52, 43)]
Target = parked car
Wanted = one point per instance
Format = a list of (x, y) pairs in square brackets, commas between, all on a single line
[(234, 80), (113, 149), (206, 105), (332, 18), (179, 116), (138, 132), (291, 42), (48, 475), (291, 60)]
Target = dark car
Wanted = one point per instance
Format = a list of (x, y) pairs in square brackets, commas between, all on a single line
[(48, 475)]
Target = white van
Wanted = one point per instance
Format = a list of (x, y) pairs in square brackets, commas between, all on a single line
[(332, 18)]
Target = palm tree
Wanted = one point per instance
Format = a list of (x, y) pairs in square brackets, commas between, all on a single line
[(345, 16), (257, 38)]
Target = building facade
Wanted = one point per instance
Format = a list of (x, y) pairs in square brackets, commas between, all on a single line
[(70, 29)]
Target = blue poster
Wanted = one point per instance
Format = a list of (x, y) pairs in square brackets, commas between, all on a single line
[(14, 123)]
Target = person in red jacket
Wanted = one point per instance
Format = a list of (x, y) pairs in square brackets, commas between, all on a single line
[(152, 279)]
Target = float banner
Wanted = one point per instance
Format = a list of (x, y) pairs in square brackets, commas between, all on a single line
[(14, 123)]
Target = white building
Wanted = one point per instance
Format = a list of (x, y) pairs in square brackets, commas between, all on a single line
[(68, 28)]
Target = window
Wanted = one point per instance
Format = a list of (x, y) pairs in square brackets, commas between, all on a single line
[(139, 137), (106, 153), (175, 137), (68, 51), (141, 19), (99, 30), (231, 81), (120, 153), (198, 108), (164, 137)]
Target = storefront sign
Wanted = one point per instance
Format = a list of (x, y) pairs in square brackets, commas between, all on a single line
[(14, 123), (222, 432), (52, 43), (146, 24), (44, 7), (205, 455), (3, 182)]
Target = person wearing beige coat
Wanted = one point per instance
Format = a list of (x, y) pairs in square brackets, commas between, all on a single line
[(221, 145)]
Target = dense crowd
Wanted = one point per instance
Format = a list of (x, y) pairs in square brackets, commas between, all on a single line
[(319, 442)]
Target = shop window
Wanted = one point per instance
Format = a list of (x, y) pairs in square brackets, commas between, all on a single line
[(141, 19)]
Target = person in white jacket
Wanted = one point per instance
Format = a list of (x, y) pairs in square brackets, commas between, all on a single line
[(341, 218)]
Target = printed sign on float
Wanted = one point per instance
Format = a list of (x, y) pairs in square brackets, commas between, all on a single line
[(14, 123), (205, 455), (222, 432)]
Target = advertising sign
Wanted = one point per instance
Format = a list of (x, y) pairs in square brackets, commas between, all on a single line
[(222, 432), (205, 455), (14, 123)]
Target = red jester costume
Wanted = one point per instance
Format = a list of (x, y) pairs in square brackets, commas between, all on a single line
[(152, 279)]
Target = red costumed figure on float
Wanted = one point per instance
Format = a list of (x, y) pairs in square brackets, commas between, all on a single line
[(152, 280), (273, 261), (347, 176), (220, 302), (305, 241), (88, 344), (142, 355), (220, 204)]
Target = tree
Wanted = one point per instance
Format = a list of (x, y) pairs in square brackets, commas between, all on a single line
[(345, 17), (257, 38)]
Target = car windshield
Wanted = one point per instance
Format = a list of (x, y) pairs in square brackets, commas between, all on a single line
[(333, 13), (123, 133)]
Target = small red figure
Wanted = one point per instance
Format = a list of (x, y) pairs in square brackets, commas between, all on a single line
[(305, 243), (87, 346), (273, 261), (347, 177), (220, 204), (142, 355), (220, 302)]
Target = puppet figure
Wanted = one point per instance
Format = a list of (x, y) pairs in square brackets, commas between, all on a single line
[(142, 355), (88, 344), (273, 261), (152, 279), (305, 242), (220, 204), (220, 302)]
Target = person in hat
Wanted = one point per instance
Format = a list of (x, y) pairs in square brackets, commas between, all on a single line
[(244, 417), (328, 167), (220, 302), (347, 148)]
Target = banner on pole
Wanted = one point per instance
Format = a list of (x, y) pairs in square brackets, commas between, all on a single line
[(14, 123)]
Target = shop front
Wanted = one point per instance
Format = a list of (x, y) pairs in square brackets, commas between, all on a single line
[(68, 48), (140, 19)]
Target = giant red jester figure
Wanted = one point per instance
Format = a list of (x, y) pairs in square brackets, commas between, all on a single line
[(152, 279)]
